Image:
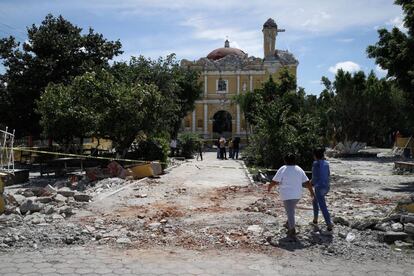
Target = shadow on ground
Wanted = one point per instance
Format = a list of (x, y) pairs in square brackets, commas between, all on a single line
[(404, 187), (315, 237)]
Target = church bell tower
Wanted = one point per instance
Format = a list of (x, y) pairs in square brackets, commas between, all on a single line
[(270, 31)]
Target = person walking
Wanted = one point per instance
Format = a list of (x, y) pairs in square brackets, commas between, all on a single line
[(222, 144), (236, 146), (231, 148), (218, 147), (320, 182), (200, 150), (173, 147), (290, 179)]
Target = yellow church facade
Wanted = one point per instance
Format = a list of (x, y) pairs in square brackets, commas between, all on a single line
[(227, 72)]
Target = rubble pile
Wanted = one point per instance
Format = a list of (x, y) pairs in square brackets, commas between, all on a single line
[(36, 216), (46, 201), (265, 205)]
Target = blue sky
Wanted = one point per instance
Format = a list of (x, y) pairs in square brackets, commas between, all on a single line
[(324, 35)]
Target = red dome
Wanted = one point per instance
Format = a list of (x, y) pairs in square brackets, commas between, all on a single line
[(222, 52)]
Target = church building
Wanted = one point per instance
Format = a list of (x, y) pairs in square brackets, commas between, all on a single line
[(226, 72)]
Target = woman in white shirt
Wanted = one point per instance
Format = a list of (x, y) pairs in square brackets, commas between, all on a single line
[(290, 179)]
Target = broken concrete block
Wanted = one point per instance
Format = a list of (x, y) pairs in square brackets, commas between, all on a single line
[(390, 236), (44, 199), (65, 191), (365, 224), (50, 189), (407, 218), (384, 227), (156, 168), (65, 210), (48, 210), (394, 218), (30, 205), (16, 199), (28, 193), (61, 183), (397, 227), (409, 228), (82, 197), (60, 198)]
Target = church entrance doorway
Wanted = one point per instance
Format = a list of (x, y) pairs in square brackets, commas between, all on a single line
[(222, 124)]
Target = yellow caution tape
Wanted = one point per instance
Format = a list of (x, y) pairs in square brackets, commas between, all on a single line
[(84, 156)]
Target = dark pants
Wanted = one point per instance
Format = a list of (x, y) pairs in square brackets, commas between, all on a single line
[(320, 203), (235, 153), (200, 154), (222, 153)]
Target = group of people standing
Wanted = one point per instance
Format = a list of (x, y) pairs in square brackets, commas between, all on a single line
[(291, 178), (232, 145)]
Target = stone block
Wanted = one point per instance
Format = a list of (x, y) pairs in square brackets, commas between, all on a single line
[(60, 198), (82, 197), (365, 224), (65, 191), (409, 228), (48, 210), (407, 218), (30, 205), (397, 227), (44, 199), (390, 236)]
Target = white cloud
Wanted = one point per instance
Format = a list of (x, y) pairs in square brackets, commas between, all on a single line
[(247, 40), (319, 16), (348, 66), (397, 22), (381, 72)]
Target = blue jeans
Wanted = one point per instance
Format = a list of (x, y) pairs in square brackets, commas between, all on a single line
[(320, 203)]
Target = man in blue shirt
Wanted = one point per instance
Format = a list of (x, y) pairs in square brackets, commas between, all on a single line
[(320, 182)]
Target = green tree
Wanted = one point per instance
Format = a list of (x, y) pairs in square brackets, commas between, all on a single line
[(55, 52), (394, 52), (356, 107), (179, 86), (281, 123), (96, 104)]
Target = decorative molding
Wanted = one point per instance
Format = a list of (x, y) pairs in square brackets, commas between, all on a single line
[(209, 101), (233, 73)]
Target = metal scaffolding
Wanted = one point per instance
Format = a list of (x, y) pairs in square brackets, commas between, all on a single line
[(6, 151)]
